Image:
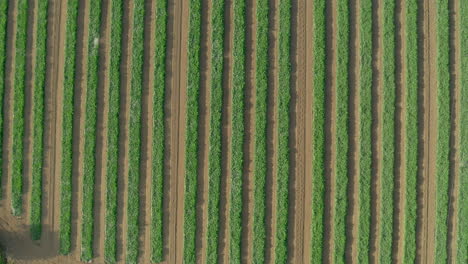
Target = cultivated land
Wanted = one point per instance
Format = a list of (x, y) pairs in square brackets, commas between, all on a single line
[(233, 131)]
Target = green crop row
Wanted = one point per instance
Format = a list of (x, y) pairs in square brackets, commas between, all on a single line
[(412, 143), (443, 137), (38, 147), (462, 240), (110, 248), (67, 132), (135, 130), (388, 132), (365, 157), (159, 135), (89, 170), (284, 98), (260, 170), (342, 120), (217, 58), (18, 111), (237, 161), (3, 34), (191, 138), (318, 141)]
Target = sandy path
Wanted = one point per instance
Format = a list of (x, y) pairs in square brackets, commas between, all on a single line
[(147, 135), (204, 133), (125, 74), (377, 126), (272, 133), (101, 134), (454, 182), (354, 174), (426, 233), (330, 131), (249, 144), (225, 187), (400, 132)]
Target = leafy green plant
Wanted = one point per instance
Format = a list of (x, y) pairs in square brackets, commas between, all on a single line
[(67, 129), (38, 147), (3, 34)]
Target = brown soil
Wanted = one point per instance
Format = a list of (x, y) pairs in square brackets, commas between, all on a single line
[(249, 141), (204, 134), (400, 132), (330, 127), (377, 116), (354, 173), (225, 190)]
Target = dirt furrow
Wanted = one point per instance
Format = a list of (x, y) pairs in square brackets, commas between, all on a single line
[(400, 132), (354, 174), (272, 133), (330, 128), (249, 143), (225, 188), (101, 136), (124, 116), (204, 133), (454, 182), (377, 127)]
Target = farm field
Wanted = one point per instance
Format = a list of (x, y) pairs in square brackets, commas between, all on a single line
[(233, 131)]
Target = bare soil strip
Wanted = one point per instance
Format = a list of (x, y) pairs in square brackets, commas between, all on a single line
[(125, 74), (204, 133), (272, 133), (354, 173), (225, 188), (249, 146), (147, 135), (454, 182), (377, 126), (330, 128), (101, 134), (400, 132)]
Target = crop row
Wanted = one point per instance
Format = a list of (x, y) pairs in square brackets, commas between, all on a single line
[(217, 48), (462, 250), (67, 132), (412, 143), (3, 34), (388, 132), (159, 132), (38, 147), (90, 132), (110, 248), (18, 111), (135, 131), (260, 170), (444, 125), (284, 98), (191, 138), (342, 119), (237, 162)]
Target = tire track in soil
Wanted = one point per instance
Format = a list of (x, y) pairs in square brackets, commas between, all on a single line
[(454, 182), (377, 127), (147, 135), (124, 116), (78, 124), (204, 132), (400, 132), (330, 127), (101, 135), (354, 173), (226, 175), (249, 141), (426, 231), (272, 132)]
